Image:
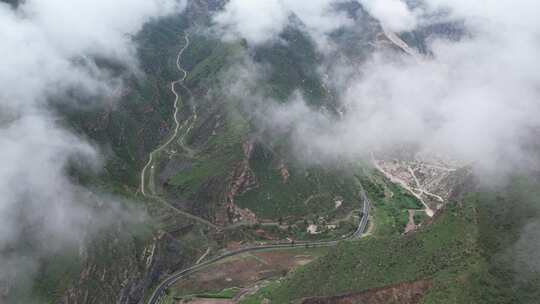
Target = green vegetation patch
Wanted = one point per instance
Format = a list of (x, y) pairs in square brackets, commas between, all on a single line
[(294, 66), (218, 159), (228, 293), (378, 262), (475, 252), (207, 59), (304, 191), (56, 274), (391, 204)]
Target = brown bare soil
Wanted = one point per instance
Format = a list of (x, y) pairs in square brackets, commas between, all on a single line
[(243, 271), (411, 226), (264, 235), (404, 293), (243, 179)]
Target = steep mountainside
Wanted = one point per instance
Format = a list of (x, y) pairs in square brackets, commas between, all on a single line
[(207, 178)]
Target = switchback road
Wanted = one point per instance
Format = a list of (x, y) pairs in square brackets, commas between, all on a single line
[(159, 291)]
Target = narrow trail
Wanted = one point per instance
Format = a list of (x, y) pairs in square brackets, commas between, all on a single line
[(147, 185), (421, 189), (205, 254), (149, 190), (194, 116), (150, 164), (403, 184), (411, 226)]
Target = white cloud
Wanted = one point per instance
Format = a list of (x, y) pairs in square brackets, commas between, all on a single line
[(256, 21), (41, 40), (393, 14), (260, 21), (48, 46), (476, 99)]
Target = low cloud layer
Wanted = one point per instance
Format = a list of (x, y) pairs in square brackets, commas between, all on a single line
[(475, 98), (261, 22), (49, 47), (393, 14)]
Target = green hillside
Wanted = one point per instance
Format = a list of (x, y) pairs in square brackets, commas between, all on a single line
[(469, 254), (225, 182)]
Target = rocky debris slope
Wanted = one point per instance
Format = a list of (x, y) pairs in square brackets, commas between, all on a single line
[(434, 180)]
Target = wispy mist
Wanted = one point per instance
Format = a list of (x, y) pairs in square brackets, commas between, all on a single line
[(472, 97), (261, 22), (48, 48), (394, 14), (475, 99)]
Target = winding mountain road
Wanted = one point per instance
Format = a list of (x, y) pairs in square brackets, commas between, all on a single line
[(150, 165), (159, 291)]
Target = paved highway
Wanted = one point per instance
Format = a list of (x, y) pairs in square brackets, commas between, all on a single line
[(159, 291), (365, 214)]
